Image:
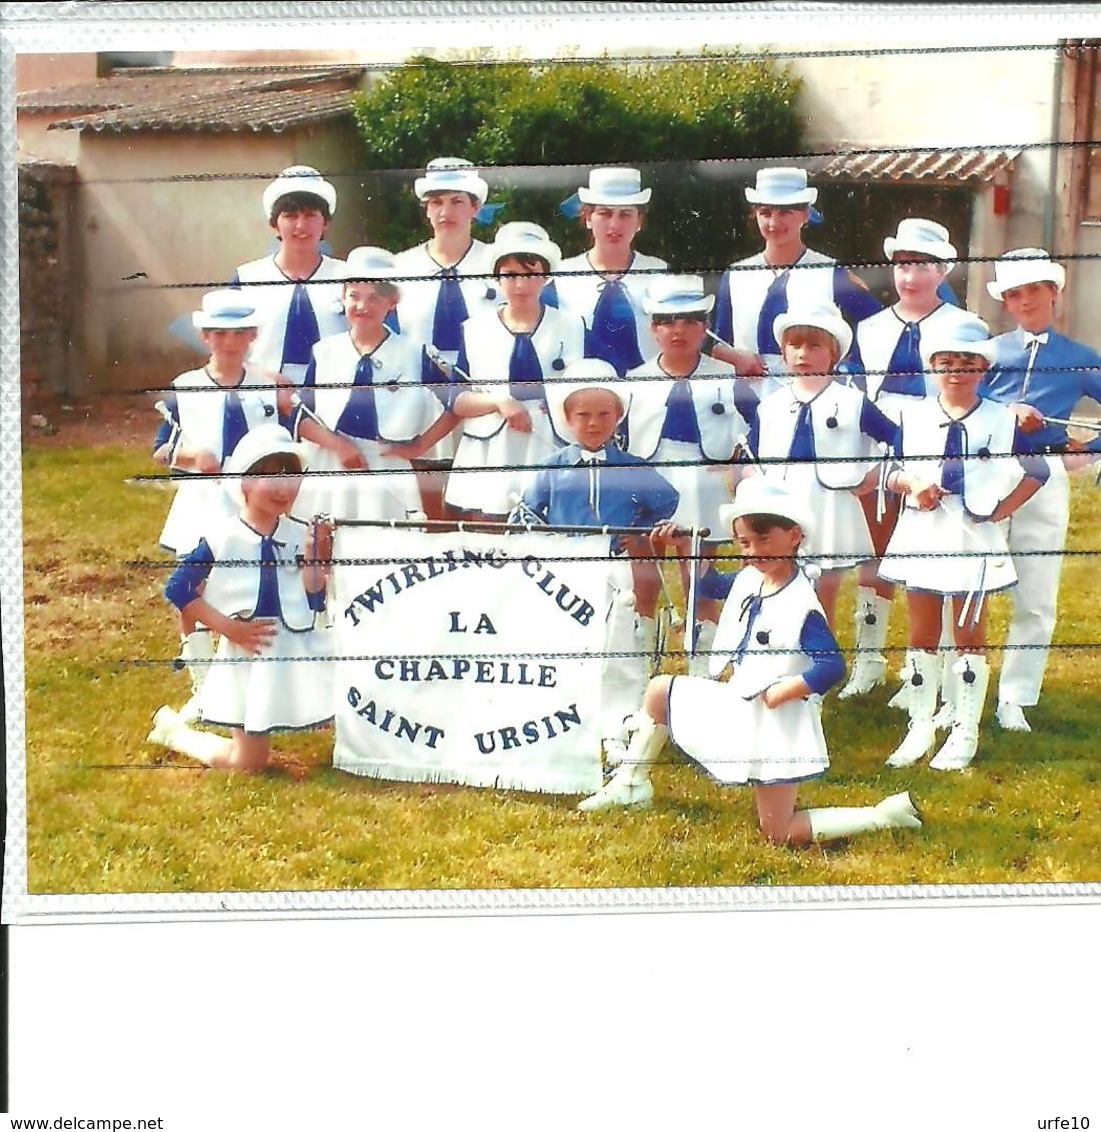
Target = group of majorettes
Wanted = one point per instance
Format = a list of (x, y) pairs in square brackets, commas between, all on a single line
[(789, 412)]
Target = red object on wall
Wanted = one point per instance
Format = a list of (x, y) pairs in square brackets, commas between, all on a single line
[(1001, 200)]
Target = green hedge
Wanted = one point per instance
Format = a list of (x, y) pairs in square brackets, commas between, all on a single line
[(596, 113)]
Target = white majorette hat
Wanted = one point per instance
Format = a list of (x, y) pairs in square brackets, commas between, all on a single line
[(367, 263), (614, 186), (677, 294), (1025, 265), (969, 336), (765, 495), (227, 309), (257, 443), (585, 373), (451, 175), (822, 316), (783, 186), (519, 237), (298, 179), (922, 237)]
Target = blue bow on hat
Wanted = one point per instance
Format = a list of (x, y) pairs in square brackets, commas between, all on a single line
[(570, 208), (488, 213)]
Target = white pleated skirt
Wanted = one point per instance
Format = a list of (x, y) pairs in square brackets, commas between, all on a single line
[(703, 488), (289, 687), (387, 490), (943, 551), (199, 504), (742, 742), (489, 474)]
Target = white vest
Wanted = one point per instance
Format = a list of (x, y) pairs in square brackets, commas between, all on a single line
[(200, 404), (878, 336), (806, 287), (405, 407), (325, 289), (580, 293), (845, 454), (721, 424), (989, 428), (773, 649), (559, 340), (234, 590), (419, 283)]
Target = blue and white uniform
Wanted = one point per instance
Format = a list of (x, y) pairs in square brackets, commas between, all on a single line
[(290, 685), (823, 448), (752, 295), (206, 416), (885, 359), (617, 328), (376, 400), (725, 728), (689, 427), (1052, 373), (293, 315), (957, 550), (435, 302), (607, 488), (493, 461)]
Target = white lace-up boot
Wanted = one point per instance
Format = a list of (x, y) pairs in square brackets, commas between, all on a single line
[(924, 684), (869, 664), (973, 678), (630, 785)]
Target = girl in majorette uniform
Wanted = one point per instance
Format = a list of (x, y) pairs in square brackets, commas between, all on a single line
[(822, 439), (688, 416), (960, 480), (296, 290), (258, 580), (444, 281), (206, 414), (606, 285), (507, 354), (365, 386), (755, 291), (763, 727), (885, 362)]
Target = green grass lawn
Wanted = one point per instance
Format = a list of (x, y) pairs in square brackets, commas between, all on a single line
[(108, 813)]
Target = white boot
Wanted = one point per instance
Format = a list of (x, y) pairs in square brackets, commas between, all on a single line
[(869, 663), (1011, 717), (895, 812), (973, 672), (949, 686), (900, 701), (196, 653), (172, 732), (924, 684), (705, 639), (630, 785)]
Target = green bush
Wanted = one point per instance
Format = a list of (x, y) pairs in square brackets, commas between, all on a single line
[(508, 116)]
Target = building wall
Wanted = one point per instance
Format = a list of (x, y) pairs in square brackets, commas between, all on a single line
[(40, 72), (35, 141), (180, 211)]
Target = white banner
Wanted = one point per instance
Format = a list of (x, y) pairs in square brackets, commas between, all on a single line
[(470, 658)]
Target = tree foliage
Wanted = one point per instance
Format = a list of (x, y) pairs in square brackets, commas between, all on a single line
[(508, 115)]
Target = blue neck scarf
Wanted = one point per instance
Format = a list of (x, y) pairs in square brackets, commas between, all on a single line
[(751, 610), (906, 359), (451, 312), (775, 304), (951, 472), (267, 599), (802, 439), (234, 425), (680, 414), (613, 337), (302, 332), (360, 416), (525, 374)]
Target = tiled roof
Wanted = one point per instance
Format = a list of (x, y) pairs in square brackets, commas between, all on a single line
[(200, 99), (952, 165)]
